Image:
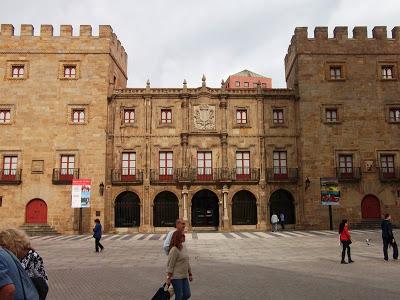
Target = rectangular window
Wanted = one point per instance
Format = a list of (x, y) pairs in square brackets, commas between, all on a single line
[(242, 164), (387, 166), (17, 71), (67, 167), (237, 83), (336, 72), (241, 116), (204, 165), (129, 116), (387, 72), (254, 84), (280, 164), (331, 115), (346, 166), (69, 71), (128, 166), (394, 115), (9, 167), (166, 116), (5, 116), (246, 84), (278, 116), (78, 116), (166, 165)]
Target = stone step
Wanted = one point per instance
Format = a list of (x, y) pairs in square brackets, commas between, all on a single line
[(38, 229)]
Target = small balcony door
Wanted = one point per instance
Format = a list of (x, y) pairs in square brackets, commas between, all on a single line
[(204, 165), (9, 168), (128, 166), (242, 165), (346, 166), (166, 165), (280, 165), (67, 167), (387, 166)]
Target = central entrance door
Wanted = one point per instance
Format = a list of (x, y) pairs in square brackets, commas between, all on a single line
[(205, 210), (36, 212), (370, 207), (281, 201)]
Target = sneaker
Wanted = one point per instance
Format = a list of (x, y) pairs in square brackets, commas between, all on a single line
[(351, 261), (343, 262)]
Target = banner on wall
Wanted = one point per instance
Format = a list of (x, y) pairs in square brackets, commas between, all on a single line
[(330, 193), (81, 193)]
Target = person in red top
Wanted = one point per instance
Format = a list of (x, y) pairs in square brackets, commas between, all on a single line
[(345, 239)]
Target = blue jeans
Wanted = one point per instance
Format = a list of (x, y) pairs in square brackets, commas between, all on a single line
[(181, 288)]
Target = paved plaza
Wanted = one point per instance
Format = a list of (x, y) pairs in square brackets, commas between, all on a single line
[(246, 265)]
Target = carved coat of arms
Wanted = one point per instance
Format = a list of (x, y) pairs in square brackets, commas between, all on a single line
[(204, 117)]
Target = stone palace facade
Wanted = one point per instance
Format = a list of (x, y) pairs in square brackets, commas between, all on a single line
[(220, 158)]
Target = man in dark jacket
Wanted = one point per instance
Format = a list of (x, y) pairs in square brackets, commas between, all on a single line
[(388, 238), (97, 231)]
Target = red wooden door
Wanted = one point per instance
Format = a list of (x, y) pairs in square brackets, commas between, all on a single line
[(36, 212), (370, 208)]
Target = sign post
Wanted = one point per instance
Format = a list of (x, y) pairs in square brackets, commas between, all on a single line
[(81, 197), (330, 195)]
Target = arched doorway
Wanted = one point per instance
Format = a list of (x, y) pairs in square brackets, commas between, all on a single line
[(166, 209), (36, 212), (205, 210), (244, 208), (370, 207), (281, 201), (127, 210)]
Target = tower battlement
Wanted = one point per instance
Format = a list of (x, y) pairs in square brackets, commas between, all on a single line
[(46, 42), (341, 43)]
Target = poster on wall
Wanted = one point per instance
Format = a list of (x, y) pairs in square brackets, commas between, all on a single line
[(330, 193), (81, 193)]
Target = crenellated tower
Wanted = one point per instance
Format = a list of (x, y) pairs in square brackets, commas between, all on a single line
[(348, 90)]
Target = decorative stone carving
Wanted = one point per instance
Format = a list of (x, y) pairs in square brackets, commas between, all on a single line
[(204, 117)]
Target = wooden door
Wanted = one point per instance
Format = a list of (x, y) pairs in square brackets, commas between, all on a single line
[(36, 212), (370, 208)]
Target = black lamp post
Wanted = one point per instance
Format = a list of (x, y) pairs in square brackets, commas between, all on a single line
[(101, 188)]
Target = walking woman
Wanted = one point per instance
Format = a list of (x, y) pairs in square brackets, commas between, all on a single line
[(97, 231), (345, 240), (178, 267)]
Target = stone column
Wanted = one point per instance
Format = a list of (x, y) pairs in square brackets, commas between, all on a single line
[(185, 193), (225, 191), (224, 131)]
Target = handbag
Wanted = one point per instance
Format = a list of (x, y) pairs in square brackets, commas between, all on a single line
[(41, 286), (162, 293)]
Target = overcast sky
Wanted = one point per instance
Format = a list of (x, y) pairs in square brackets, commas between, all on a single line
[(171, 40)]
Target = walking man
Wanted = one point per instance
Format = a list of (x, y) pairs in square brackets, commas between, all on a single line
[(388, 238), (282, 220), (97, 231), (274, 222), (179, 225)]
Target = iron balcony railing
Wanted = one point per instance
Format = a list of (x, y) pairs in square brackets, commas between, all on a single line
[(391, 174), (65, 176), (126, 176), (283, 174), (10, 176), (246, 175), (348, 174), (163, 175)]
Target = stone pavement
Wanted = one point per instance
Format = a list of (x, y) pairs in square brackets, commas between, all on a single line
[(247, 265)]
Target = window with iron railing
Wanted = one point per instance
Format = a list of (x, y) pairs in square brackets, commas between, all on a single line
[(128, 171), (166, 165), (280, 164), (242, 164), (204, 165)]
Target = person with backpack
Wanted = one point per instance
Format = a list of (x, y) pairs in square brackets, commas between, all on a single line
[(388, 238), (345, 240)]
